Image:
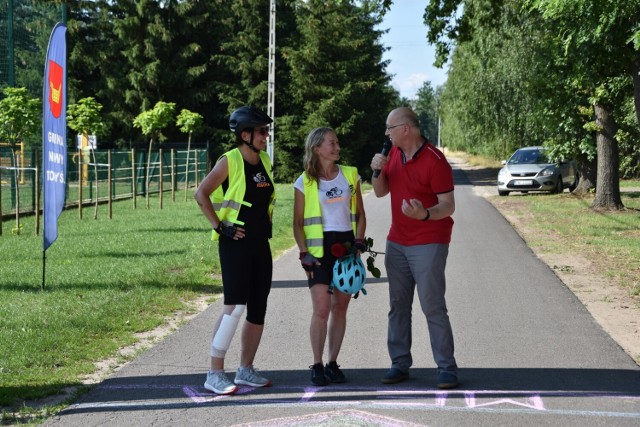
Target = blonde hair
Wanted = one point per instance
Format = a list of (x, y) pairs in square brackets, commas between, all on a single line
[(310, 160)]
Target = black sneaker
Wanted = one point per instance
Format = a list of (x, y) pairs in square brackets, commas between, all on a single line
[(317, 375), (333, 373)]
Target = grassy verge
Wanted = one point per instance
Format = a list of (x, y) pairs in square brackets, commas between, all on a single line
[(106, 280), (566, 224)]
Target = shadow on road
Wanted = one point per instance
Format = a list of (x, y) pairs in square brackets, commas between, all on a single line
[(183, 391)]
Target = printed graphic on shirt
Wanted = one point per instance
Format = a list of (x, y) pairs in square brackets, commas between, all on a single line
[(334, 195), (261, 180)]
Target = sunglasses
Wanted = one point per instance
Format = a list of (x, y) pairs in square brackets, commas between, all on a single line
[(263, 130)]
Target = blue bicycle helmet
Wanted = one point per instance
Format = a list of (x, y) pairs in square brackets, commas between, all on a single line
[(349, 275)]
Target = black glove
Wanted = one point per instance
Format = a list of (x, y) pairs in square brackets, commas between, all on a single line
[(360, 245), (226, 230), (308, 261)]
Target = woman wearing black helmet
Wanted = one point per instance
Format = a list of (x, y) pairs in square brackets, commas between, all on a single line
[(237, 198)]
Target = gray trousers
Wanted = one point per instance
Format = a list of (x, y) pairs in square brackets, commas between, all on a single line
[(421, 266)]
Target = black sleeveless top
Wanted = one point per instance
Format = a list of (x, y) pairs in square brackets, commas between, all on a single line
[(256, 220)]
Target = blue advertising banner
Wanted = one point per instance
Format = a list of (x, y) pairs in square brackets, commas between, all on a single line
[(54, 133)]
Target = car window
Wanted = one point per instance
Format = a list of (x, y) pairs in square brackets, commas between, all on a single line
[(528, 157), (543, 158), (524, 157)]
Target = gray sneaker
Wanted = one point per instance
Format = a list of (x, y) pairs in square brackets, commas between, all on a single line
[(219, 383), (248, 376)]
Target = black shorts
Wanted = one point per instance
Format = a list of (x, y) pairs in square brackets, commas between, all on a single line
[(323, 273)]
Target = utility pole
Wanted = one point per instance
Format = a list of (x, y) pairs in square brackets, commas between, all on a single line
[(272, 76), (11, 81)]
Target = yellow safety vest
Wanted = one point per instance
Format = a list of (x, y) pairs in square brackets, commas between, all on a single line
[(312, 225), (227, 204)]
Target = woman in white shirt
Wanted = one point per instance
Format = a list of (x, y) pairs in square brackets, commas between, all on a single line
[(328, 210)]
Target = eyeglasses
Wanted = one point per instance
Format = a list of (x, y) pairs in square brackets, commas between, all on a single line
[(391, 127), (263, 130)]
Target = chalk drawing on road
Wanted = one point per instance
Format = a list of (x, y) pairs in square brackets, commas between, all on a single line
[(535, 402), (343, 417), (347, 397)]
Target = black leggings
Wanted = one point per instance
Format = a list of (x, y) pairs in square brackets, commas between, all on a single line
[(246, 267)]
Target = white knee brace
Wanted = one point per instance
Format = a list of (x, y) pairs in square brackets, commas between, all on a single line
[(224, 334)]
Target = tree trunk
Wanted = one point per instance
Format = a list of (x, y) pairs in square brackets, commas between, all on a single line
[(608, 181), (636, 84), (587, 175)]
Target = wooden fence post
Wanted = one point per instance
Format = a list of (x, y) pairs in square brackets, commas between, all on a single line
[(133, 177), (173, 176), (160, 176), (109, 179), (80, 183), (0, 202), (36, 179)]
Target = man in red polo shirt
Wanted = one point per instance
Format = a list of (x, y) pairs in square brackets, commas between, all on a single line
[(420, 181)]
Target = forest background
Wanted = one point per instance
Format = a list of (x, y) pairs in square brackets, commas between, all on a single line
[(553, 72)]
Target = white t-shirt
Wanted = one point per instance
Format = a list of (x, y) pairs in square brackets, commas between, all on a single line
[(335, 202)]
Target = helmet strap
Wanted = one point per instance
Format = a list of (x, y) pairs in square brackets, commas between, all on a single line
[(250, 143)]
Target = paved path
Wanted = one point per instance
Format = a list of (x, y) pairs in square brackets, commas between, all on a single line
[(529, 352)]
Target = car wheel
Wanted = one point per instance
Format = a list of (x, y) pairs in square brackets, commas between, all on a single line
[(559, 186), (503, 193)]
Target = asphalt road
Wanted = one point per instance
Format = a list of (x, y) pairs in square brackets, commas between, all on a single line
[(529, 353)]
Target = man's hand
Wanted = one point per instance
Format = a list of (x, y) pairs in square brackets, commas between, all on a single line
[(413, 208)]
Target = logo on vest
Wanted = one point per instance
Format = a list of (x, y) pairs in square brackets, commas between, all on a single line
[(260, 180)]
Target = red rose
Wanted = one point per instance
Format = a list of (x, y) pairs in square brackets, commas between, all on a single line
[(339, 250)]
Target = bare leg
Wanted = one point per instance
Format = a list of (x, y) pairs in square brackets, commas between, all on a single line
[(321, 301), (337, 323), (251, 335)]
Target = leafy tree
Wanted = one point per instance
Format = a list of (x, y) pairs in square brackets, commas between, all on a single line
[(426, 107), (188, 122), (152, 122), (591, 50), (602, 38), (84, 118), (156, 50), (32, 25), (19, 121), (338, 79)]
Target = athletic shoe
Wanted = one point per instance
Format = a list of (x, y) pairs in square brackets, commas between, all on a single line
[(218, 383), (394, 375), (248, 376), (333, 373), (317, 375), (447, 380)]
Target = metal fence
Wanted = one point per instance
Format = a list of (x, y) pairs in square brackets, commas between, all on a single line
[(99, 176)]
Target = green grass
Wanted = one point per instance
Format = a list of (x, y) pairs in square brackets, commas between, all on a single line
[(609, 239), (106, 280)]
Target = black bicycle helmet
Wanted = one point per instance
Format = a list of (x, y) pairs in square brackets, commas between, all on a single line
[(247, 117)]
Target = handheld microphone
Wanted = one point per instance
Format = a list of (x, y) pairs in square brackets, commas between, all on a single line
[(386, 147)]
